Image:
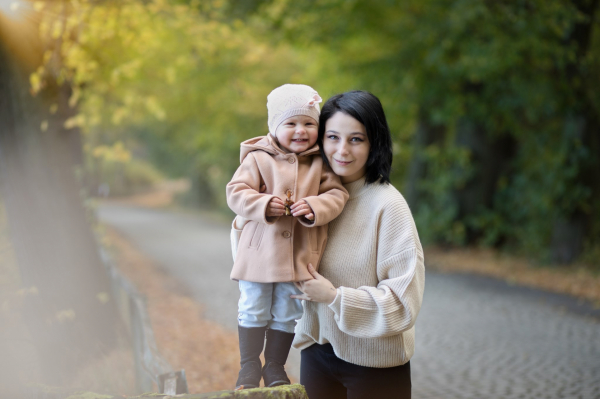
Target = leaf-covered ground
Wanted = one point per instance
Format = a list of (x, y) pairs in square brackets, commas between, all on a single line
[(207, 351), (577, 280)]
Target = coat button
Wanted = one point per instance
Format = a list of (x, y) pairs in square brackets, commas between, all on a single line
[(287, 234), (291, 160)]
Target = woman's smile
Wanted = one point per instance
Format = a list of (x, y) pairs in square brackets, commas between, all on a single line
[(342, 163)]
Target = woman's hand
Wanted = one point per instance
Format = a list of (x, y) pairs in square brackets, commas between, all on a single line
[(301, 208), (276, 207), (319, 289)]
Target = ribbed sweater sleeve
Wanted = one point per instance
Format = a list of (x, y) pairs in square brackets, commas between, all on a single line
[(392, 306), (375, 258), (388, 309)]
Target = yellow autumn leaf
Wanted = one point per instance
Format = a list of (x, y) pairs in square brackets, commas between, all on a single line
[(57, 28), (154, 107), (75, 121), (120, 153), (74, 97), (35, 81), (115, 153), (118, 115), (98, 152)]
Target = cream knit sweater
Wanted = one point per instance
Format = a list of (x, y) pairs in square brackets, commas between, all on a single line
[(374, 256)]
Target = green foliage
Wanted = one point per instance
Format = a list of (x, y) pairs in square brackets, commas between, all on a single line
[(439, 211), (520, 71), (512, 86)]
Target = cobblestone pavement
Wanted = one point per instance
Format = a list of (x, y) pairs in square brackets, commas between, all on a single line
[(477, 337)]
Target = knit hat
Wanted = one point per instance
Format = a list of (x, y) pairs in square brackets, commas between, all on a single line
[(292, 100)]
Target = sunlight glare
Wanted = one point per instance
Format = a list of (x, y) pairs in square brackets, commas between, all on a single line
[(12, 8), (18, 31)]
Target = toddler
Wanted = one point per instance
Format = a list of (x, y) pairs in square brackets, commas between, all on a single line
[(284, 228)]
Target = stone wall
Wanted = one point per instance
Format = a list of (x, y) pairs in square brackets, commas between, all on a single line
[(295, 391)]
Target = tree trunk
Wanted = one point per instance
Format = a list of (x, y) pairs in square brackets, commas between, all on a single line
[(490, 157), (70, 319)]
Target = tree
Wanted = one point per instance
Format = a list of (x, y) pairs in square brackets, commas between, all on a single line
[(71, 319), (502, 101), (492, 104)]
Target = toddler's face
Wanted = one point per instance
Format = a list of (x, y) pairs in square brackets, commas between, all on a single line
[(297, 134)]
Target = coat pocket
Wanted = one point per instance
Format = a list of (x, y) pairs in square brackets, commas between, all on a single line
[(313, 239), (257, 235)]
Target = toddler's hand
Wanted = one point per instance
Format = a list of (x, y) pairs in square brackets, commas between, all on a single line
[(275, 207), (301, 208)]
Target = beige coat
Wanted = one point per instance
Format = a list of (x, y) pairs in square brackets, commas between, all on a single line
[(278, 249)]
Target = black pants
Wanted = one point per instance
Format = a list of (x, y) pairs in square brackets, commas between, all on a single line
[(326, 376)]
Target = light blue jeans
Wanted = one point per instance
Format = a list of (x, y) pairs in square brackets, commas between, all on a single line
[(269, 304)]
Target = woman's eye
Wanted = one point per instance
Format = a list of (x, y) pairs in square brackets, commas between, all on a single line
[(356, 140), (332, 137)]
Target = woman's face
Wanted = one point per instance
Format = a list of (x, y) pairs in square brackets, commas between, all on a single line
[(346, 146)]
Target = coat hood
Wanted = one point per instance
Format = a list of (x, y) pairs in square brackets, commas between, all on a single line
[(270, 146)]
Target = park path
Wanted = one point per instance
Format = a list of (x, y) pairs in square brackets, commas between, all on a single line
[(477, 337)]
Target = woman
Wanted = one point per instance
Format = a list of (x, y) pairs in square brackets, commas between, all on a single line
[(357, 333)]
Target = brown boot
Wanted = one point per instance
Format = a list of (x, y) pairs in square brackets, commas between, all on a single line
[(276, 354), (252, 341)]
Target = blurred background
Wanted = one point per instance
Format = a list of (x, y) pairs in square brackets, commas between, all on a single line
[(493, 106)]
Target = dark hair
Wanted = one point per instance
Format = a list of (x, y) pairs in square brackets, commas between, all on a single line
[(365, 108)]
